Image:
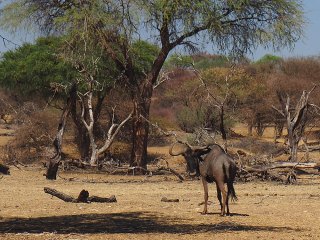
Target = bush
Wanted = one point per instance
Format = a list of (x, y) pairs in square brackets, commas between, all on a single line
[(269, 59), (190, 119), (204, 61), (33, 140), (121, 152), (178, 61)]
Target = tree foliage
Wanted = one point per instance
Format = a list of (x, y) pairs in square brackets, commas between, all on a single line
[(233, 27), (35, 69), (269, 59), (230, 83), (203, 62)]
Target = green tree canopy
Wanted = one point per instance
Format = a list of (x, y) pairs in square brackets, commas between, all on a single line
[(34, 69), (269, 59)]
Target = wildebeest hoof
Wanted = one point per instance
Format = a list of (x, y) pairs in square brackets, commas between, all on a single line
[(204, 212)]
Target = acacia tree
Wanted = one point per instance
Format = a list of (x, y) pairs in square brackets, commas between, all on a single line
[(88, 74), (232, 26), (223, 89)]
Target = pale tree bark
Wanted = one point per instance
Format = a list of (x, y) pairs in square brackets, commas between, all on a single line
[(296, 120), (112, 132)]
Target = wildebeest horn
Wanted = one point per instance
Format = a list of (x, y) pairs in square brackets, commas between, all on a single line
[(199, 148), (179, 152), (194, 148), (186, 143)]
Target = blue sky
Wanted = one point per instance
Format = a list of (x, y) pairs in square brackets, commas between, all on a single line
[(309, 45)]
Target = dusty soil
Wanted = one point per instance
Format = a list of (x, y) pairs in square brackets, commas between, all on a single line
[(265, 210)]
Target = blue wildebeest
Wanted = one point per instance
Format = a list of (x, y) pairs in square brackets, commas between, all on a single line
[(213, 164)]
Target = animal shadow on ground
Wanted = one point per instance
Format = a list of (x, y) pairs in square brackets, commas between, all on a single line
[(131, 222)]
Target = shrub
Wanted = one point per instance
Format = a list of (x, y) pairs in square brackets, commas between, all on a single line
[(33, 139), (190, 119)]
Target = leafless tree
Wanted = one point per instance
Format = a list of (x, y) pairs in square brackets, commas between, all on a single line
[(296, 119)]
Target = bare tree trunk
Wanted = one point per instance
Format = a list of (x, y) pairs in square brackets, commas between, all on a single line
[(140, 133), (57, 143), (89, 126), (260, 127), (83, 143), (113, 131), (81, 136), (296, 121), (222, 128), (141, 97), (278, 129), (293, 151)]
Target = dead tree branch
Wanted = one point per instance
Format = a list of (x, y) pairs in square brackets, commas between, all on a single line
[(83, 197), (296, 120)]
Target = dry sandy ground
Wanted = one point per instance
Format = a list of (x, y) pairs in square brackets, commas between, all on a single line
[(264, 210)]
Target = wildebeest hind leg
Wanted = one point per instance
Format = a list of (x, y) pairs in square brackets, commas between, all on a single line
[(227, 203), (224, 197), (206, 195)]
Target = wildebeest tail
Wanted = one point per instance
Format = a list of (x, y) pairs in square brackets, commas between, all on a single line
[(229, 177), (231, 191)]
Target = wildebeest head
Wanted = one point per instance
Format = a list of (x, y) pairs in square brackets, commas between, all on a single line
[(191, 154)]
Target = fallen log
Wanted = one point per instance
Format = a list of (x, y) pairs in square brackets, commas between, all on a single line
[(287, 174), (309, 148), (294, 165), (60, 195), (83, 197), (102, 200), (7, 134), (164, 199), (247, 176)]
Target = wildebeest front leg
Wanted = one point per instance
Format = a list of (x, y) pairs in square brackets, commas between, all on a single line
[(206, 195)]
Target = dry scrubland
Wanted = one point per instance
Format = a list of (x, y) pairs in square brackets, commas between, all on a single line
[(265, 210)]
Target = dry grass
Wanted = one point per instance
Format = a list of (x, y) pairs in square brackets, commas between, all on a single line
[(5, 139), (264, 210)]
